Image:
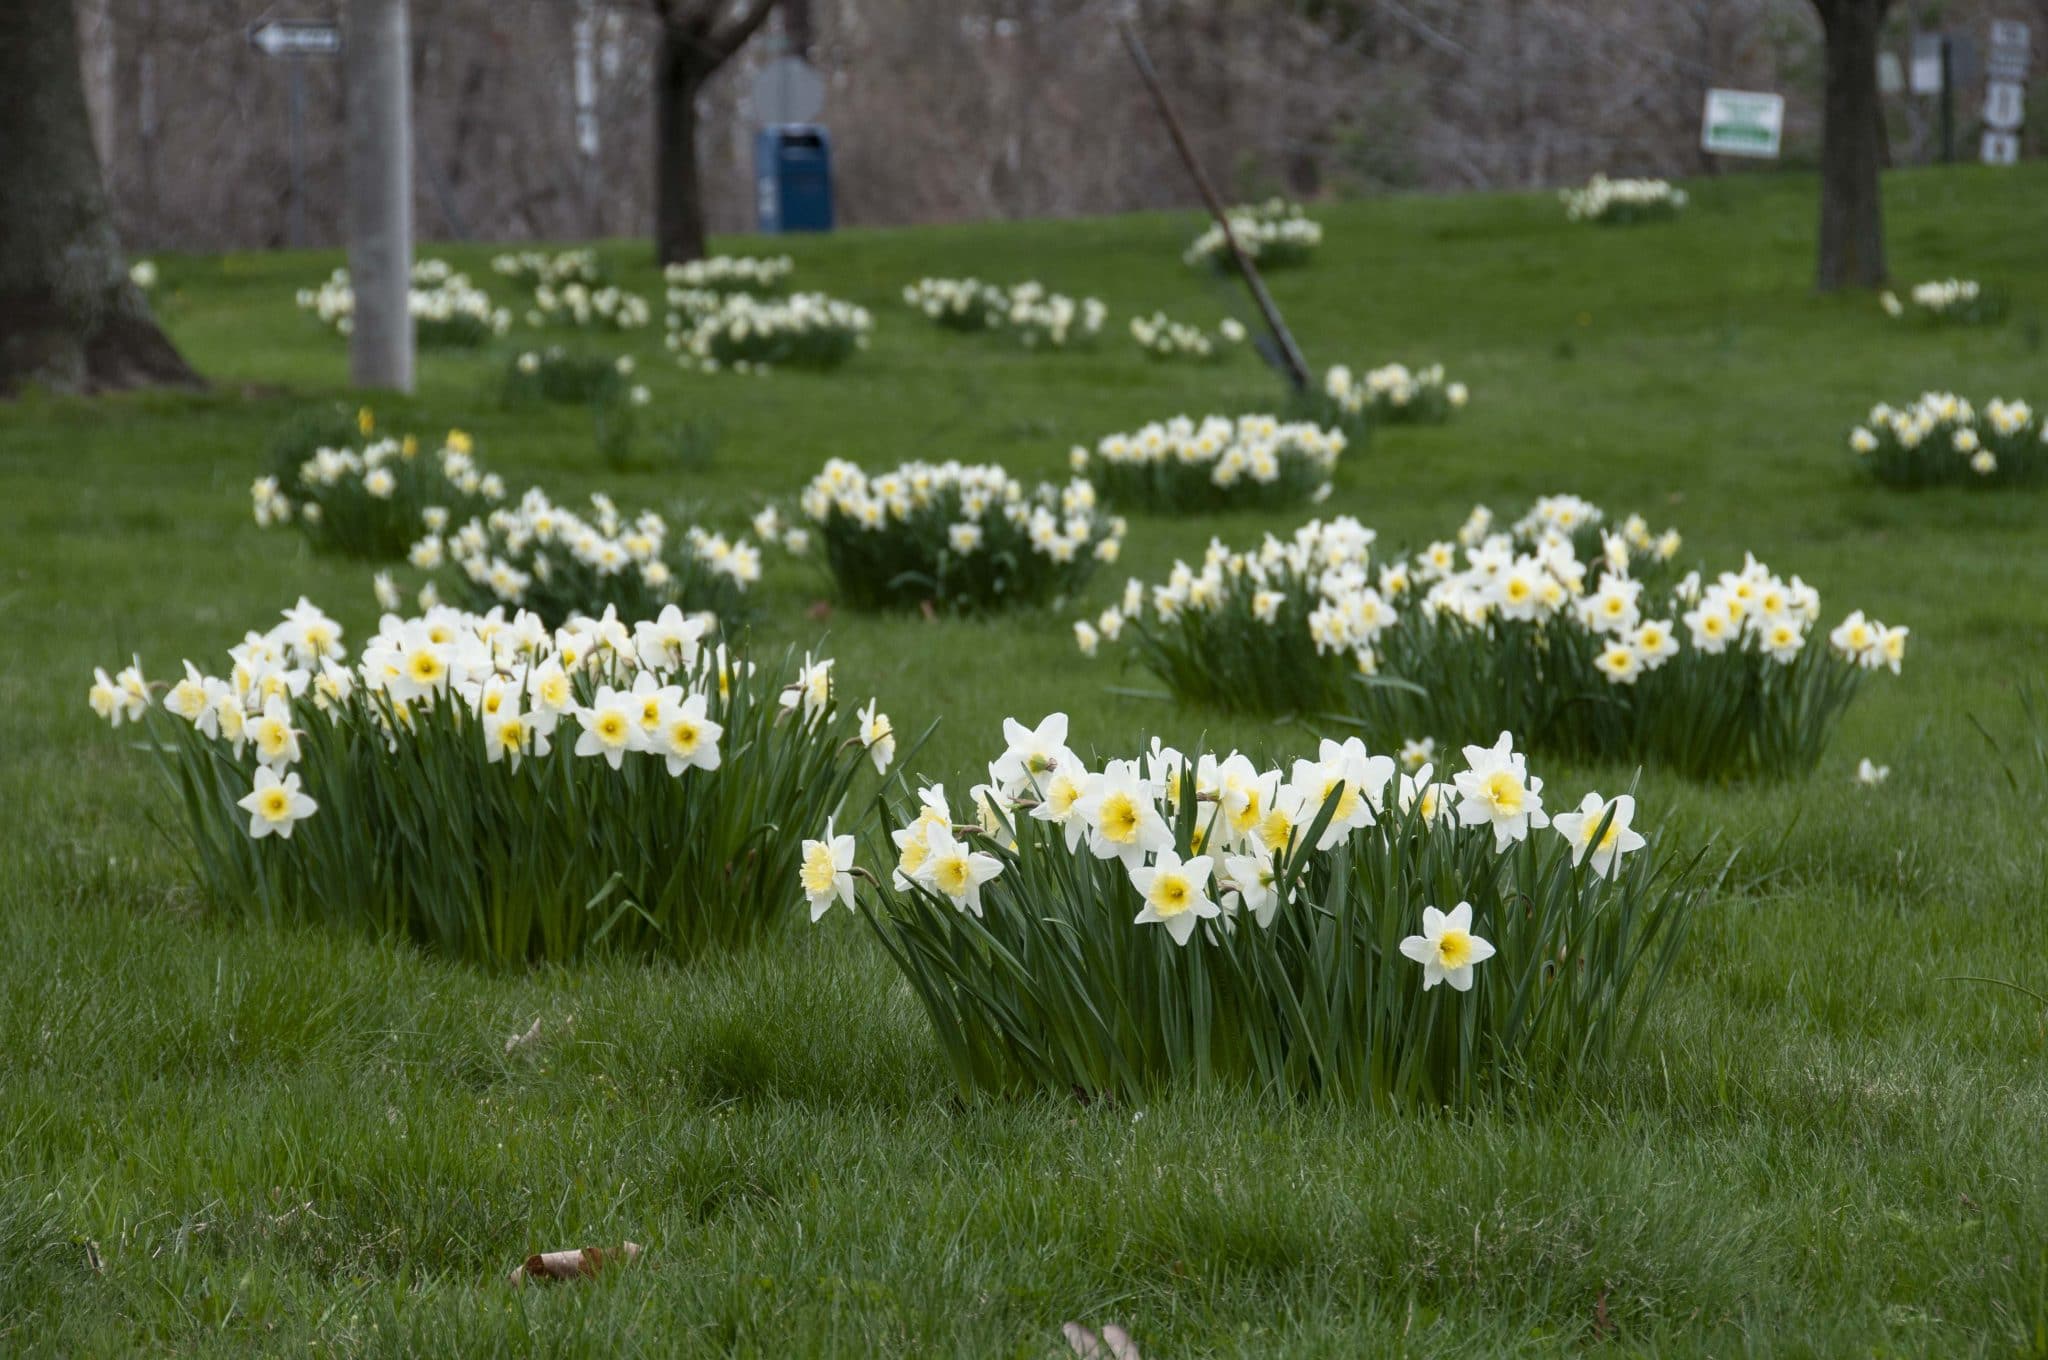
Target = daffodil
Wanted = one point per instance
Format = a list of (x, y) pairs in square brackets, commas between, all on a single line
[(878, 735), (277, 744), (611, 727), (827, 872), (1497, 790), (1614, 840), (1447, 949), (1175, 894), (684, 736), (913, 841), (510, 735), (1061, 800), (1121, 816), (275, 805), (1031, 755), (1256, 883), (1870, 774), (954, 871)]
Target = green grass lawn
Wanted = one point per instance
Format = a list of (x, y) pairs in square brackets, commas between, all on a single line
[(219, 1140)]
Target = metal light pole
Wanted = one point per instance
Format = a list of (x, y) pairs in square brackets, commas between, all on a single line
[(375, 70)]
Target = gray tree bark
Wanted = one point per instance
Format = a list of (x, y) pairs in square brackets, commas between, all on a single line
[(380, 194), (69, 317), (1852, 148)]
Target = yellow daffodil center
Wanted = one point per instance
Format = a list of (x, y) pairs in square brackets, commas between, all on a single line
[(1652, 638), (1517, 590), (819, 869), (1504, 791), (1172, 894), (1347, 805), (1246, 817), (1277, 830), (1454, 949), (494, 700), (684, 736), (1119, 819), (554, 691), (273, 736), (511, 734), (913, 857), (276, 804), (1063, 795), (650, 714), (951, 875), (611, 728), (425, 668)]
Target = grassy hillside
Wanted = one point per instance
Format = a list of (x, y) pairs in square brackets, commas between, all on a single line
[(1829, 1145)]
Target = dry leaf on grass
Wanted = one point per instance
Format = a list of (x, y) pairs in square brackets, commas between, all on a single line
[(571, 1265)]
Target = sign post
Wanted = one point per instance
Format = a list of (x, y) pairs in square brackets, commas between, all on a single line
[(1743, 123), (2005, 92), (295, 40)]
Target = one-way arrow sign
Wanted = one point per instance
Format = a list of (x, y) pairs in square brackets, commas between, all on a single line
[(297, 38)]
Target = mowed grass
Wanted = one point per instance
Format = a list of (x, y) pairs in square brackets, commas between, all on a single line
[(216, 1140)]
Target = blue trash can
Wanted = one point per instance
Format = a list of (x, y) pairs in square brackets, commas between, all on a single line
[(793, 178)]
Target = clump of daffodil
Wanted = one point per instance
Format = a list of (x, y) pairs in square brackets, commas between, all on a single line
[(1561, 623), (1029, 312), (1622, 202), (558, 562), (607, 783), (743, 332), (447, 309), (1218, 462), (1952, 302), (1107, 927), (955, 536), (1392, 394), (1275, 234), (370, 496), (1942, 439)]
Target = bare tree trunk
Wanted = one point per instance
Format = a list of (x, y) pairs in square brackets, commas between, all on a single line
[(380, 349), (1851, 205), (69, 317), (679, 77)]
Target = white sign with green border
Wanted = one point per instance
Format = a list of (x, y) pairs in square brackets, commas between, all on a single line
[(1743, 123)]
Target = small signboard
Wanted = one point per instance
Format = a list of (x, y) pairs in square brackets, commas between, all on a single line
[(2005, 105), (2010, 41), (1926, 69), (2001, 148), (787, 90), (1891, 76), (1743, 123), (296, 38)]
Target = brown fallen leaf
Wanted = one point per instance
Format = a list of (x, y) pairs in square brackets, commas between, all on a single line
[(819, 612), (571, 1265)]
